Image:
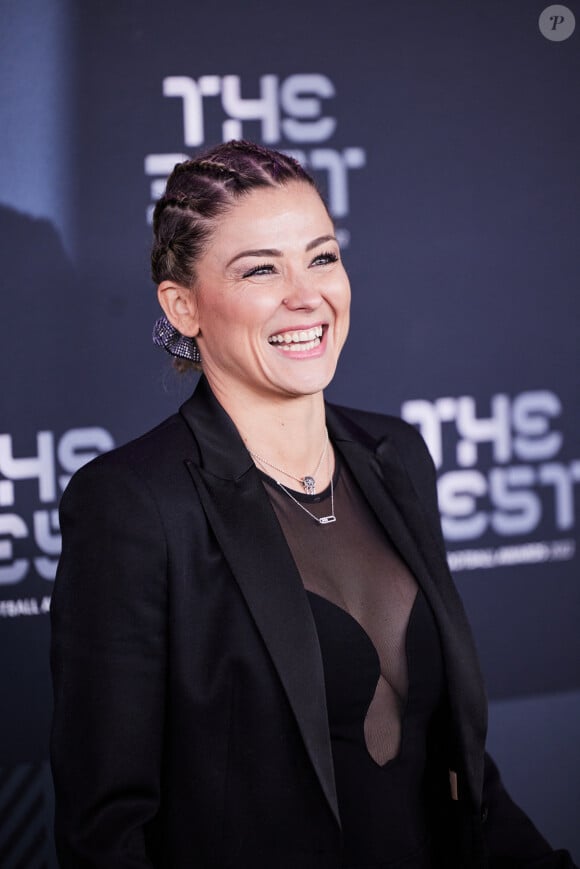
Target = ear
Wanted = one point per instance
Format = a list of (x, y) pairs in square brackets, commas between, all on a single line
[(179, 307)]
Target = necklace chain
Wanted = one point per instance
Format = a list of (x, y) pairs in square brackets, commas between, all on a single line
[(322, 520), (308, 481)]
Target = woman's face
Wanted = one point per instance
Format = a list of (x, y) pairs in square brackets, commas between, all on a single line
[(272, 297)]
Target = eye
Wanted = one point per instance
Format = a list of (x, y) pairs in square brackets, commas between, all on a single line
[(324, 259), (263, 269)]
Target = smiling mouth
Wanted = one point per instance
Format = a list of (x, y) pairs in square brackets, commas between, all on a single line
[(300, 339)]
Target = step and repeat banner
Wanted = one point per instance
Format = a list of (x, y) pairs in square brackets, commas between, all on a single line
[(445, 137)]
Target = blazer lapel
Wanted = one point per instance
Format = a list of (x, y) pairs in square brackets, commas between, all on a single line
[(253, 544), (385, 482)]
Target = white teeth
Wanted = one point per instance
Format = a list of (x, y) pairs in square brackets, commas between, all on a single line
[(306, 345), (302, 337)]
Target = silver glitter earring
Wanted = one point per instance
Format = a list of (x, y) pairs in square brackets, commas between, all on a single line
[(165, 335)]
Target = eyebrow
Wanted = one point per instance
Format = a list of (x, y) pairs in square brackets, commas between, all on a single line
[(271, 251)]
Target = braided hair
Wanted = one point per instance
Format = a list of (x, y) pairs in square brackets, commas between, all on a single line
[(199, 191)]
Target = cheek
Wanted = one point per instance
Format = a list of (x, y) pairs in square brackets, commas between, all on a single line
[(238, 315), (256, 308), (345, 310), (345, 295)]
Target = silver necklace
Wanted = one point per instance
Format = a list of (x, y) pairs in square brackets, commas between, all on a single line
[(322, 520), (309, 481)]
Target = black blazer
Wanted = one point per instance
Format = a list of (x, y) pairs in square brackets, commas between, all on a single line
[(190, 724)]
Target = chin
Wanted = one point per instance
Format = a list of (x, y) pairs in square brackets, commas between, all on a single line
[(301, 376), (310, 385)]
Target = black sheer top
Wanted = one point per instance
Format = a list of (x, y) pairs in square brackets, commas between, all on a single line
[(382, 666)]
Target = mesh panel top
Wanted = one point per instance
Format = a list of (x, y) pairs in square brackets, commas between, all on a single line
[(383, 672), (352, 564)]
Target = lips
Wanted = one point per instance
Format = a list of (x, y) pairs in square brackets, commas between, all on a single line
[(297, 339)]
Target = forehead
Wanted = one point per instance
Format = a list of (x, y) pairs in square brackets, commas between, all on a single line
[(274, 217)]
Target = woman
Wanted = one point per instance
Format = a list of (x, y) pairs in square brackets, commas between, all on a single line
[(259, 656)]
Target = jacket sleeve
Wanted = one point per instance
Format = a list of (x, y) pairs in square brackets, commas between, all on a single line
[(511, 839), (108, 664)]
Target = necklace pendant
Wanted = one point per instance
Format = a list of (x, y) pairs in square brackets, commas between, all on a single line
[(326, 520), (309, 484)]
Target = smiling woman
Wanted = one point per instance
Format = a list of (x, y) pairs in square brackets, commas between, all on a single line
[(259, 656), (268, 306)]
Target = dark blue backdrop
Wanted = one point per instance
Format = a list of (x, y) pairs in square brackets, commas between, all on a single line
[(446, 137)]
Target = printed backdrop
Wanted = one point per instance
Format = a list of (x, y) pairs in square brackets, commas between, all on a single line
[(445, 137)]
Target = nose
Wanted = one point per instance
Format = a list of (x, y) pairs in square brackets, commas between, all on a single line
[(301, 295)]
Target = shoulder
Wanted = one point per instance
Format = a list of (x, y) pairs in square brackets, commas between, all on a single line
[(409, 450), (366, 424), (169, 441), (154, 462)]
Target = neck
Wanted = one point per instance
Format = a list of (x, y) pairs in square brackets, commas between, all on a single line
[(289, 431)]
